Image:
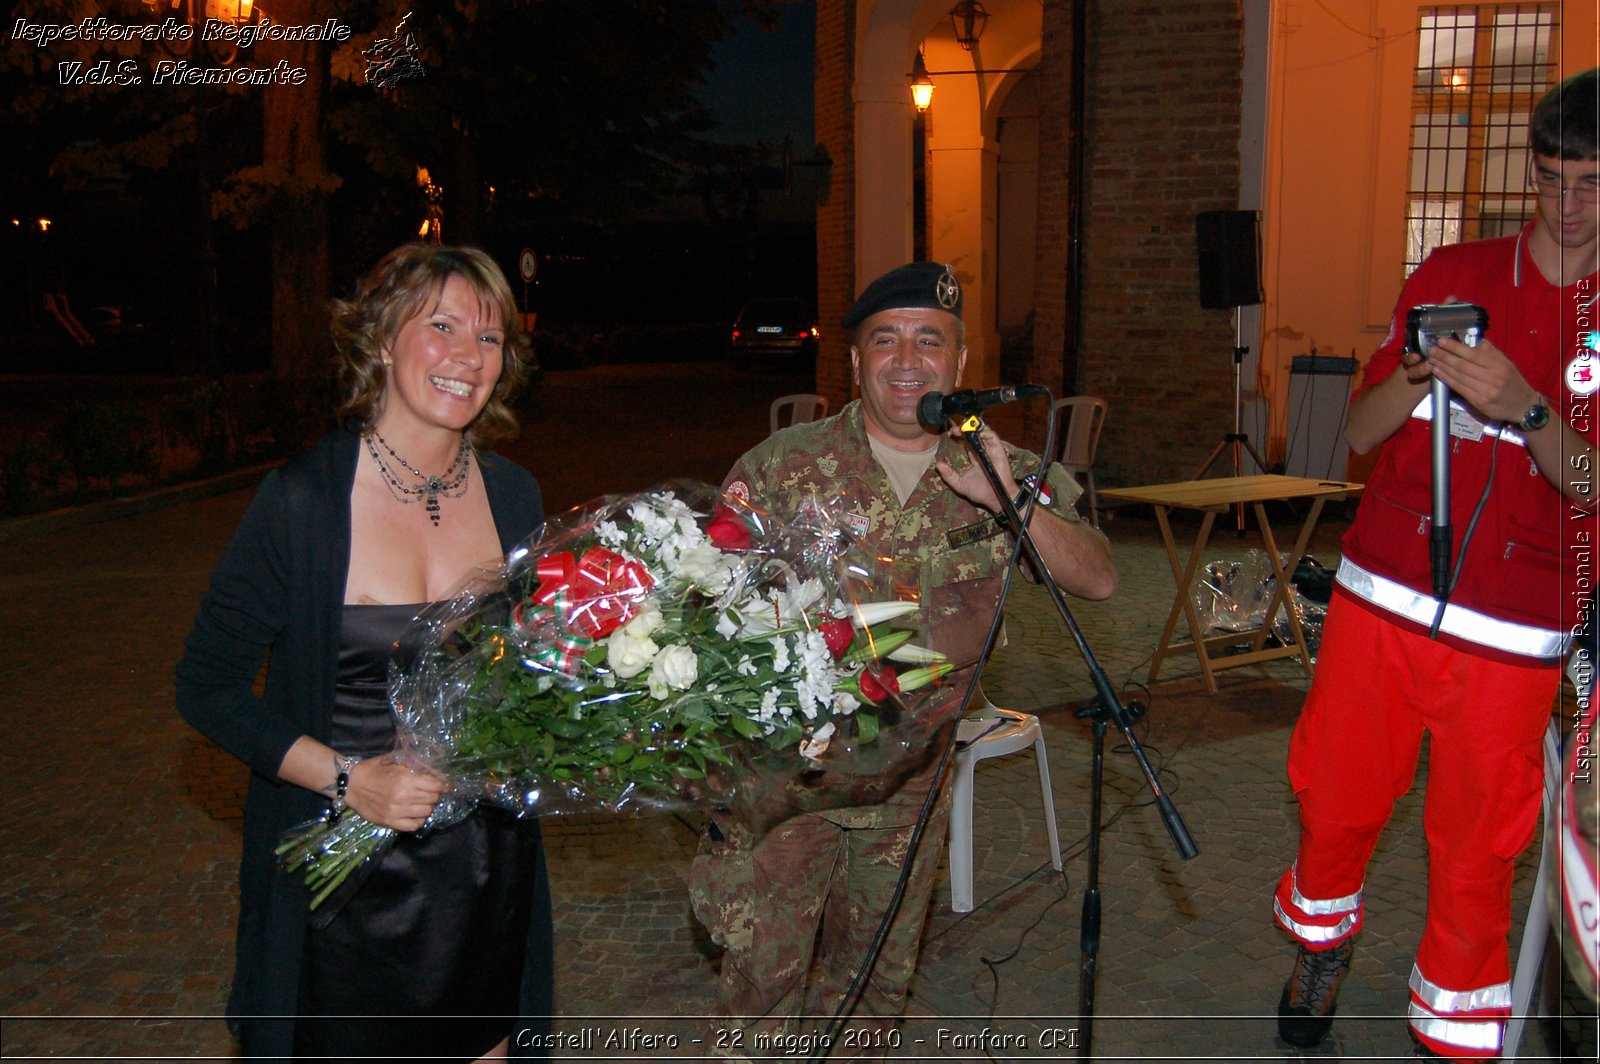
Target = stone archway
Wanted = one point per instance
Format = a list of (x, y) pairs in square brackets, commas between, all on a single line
[(962, 148)]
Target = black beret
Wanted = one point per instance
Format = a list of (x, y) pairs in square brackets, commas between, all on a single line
[(908, 287)]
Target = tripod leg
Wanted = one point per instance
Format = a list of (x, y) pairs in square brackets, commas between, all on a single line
[(1211, 460), (1261, 463)]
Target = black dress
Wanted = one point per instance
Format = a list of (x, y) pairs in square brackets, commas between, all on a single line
[(426, 957)]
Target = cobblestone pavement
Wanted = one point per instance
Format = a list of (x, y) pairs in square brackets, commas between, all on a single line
[(121, 832)]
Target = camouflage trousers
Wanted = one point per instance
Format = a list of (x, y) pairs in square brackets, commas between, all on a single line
[(805, 900)]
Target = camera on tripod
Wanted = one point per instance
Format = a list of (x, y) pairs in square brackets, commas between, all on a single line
[(1429, 323)]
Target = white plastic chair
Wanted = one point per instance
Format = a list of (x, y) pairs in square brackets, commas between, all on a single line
[(797, 408), (1529, 974), (991, 732), (1080, 418)]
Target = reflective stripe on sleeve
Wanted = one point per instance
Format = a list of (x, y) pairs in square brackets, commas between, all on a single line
[(1438, 999), (1505, 636), (1482, 1035)]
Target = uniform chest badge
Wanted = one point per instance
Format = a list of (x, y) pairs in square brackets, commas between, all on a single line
[(827, 465), (857, 524), (1583, 373)]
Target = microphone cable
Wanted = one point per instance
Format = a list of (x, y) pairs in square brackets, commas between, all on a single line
[(1466, 537), (919, 826)]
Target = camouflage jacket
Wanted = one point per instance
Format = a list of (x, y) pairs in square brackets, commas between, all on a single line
[(938, 549)]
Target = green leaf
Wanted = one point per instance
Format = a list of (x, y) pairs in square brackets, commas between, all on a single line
[(746, 727), (567, 728)]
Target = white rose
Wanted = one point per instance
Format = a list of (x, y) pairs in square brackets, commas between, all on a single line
[(675, 669), (646, 619), (629, 654), (704, 566)]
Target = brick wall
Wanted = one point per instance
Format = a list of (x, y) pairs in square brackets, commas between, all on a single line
[(834, 114), (1162, 107), (1048, 366), (1163, 134)]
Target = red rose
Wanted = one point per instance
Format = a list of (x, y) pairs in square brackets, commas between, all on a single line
[(875, 688), (727, 530), (837, 634)]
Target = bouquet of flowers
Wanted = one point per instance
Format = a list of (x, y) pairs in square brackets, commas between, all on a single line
[(651, 651)]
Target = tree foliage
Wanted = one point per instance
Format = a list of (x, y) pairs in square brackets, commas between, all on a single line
[(585, 109)]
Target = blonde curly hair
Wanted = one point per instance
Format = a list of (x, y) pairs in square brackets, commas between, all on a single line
[(395, 291)]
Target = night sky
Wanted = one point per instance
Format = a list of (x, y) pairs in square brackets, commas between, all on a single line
[(761, 89)]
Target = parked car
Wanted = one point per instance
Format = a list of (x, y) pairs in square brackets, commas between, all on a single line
[(774, 327)]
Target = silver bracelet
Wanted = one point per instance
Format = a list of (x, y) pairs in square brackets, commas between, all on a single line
[(342, 764)]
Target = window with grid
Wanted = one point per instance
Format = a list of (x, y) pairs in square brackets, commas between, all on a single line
[(1480, 70)]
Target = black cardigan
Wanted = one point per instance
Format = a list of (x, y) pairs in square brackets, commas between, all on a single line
[(279, 591)]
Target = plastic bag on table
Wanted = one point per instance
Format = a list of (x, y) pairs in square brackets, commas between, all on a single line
[(1232, 596)]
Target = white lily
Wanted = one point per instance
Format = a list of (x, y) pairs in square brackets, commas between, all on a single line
[(867, 614), (817, 745), (912, 654)]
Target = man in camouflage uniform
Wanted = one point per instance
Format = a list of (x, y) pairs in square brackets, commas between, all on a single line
[(915, 498)]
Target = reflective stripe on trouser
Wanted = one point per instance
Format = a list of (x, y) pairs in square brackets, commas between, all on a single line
[(1471, 625), (1319, 923), (1459, 1023), (1354, 752)]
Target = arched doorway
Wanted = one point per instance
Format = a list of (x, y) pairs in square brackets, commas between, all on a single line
[(975, 110)]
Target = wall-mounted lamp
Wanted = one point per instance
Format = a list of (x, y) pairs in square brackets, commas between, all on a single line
[(921, 84), (968, 18), (922, 79)]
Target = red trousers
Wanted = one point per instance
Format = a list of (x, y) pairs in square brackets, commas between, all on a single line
[(1378, 687)]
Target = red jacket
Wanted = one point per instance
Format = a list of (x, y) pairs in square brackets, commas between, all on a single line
[(1529, 566)]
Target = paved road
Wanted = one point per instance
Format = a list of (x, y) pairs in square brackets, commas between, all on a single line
[(120, 827)]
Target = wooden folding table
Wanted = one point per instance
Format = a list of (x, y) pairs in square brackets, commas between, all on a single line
[(1214, 496)]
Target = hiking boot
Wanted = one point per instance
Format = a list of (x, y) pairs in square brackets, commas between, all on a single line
[(1311, 996)]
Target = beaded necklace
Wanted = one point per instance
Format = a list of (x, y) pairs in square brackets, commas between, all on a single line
[(452, 483)]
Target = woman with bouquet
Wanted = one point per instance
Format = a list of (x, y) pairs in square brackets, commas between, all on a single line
[(339, 550)]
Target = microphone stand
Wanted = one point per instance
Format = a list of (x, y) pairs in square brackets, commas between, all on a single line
[(1104, 709), (1439, 531)]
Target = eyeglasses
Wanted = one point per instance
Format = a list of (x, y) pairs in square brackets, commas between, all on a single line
[(1548, 184)]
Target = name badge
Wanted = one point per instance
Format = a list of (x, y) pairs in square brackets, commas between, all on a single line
[(1463, 426), (977, 532)]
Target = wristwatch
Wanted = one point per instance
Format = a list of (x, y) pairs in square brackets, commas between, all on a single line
[(1537, 417)]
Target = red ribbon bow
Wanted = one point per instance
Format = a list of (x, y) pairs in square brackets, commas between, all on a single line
[(594, 595)]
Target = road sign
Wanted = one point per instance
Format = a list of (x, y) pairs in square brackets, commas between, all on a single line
[(528, 264)]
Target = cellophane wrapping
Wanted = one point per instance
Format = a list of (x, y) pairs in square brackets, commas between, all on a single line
[(658, 651)]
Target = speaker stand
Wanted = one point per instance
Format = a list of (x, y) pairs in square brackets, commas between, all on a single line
[(1238, 441)]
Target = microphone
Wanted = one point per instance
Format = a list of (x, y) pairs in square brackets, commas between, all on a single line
[(936, 407)]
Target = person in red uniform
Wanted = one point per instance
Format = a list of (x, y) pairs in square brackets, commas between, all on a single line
[(1480, 676)]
